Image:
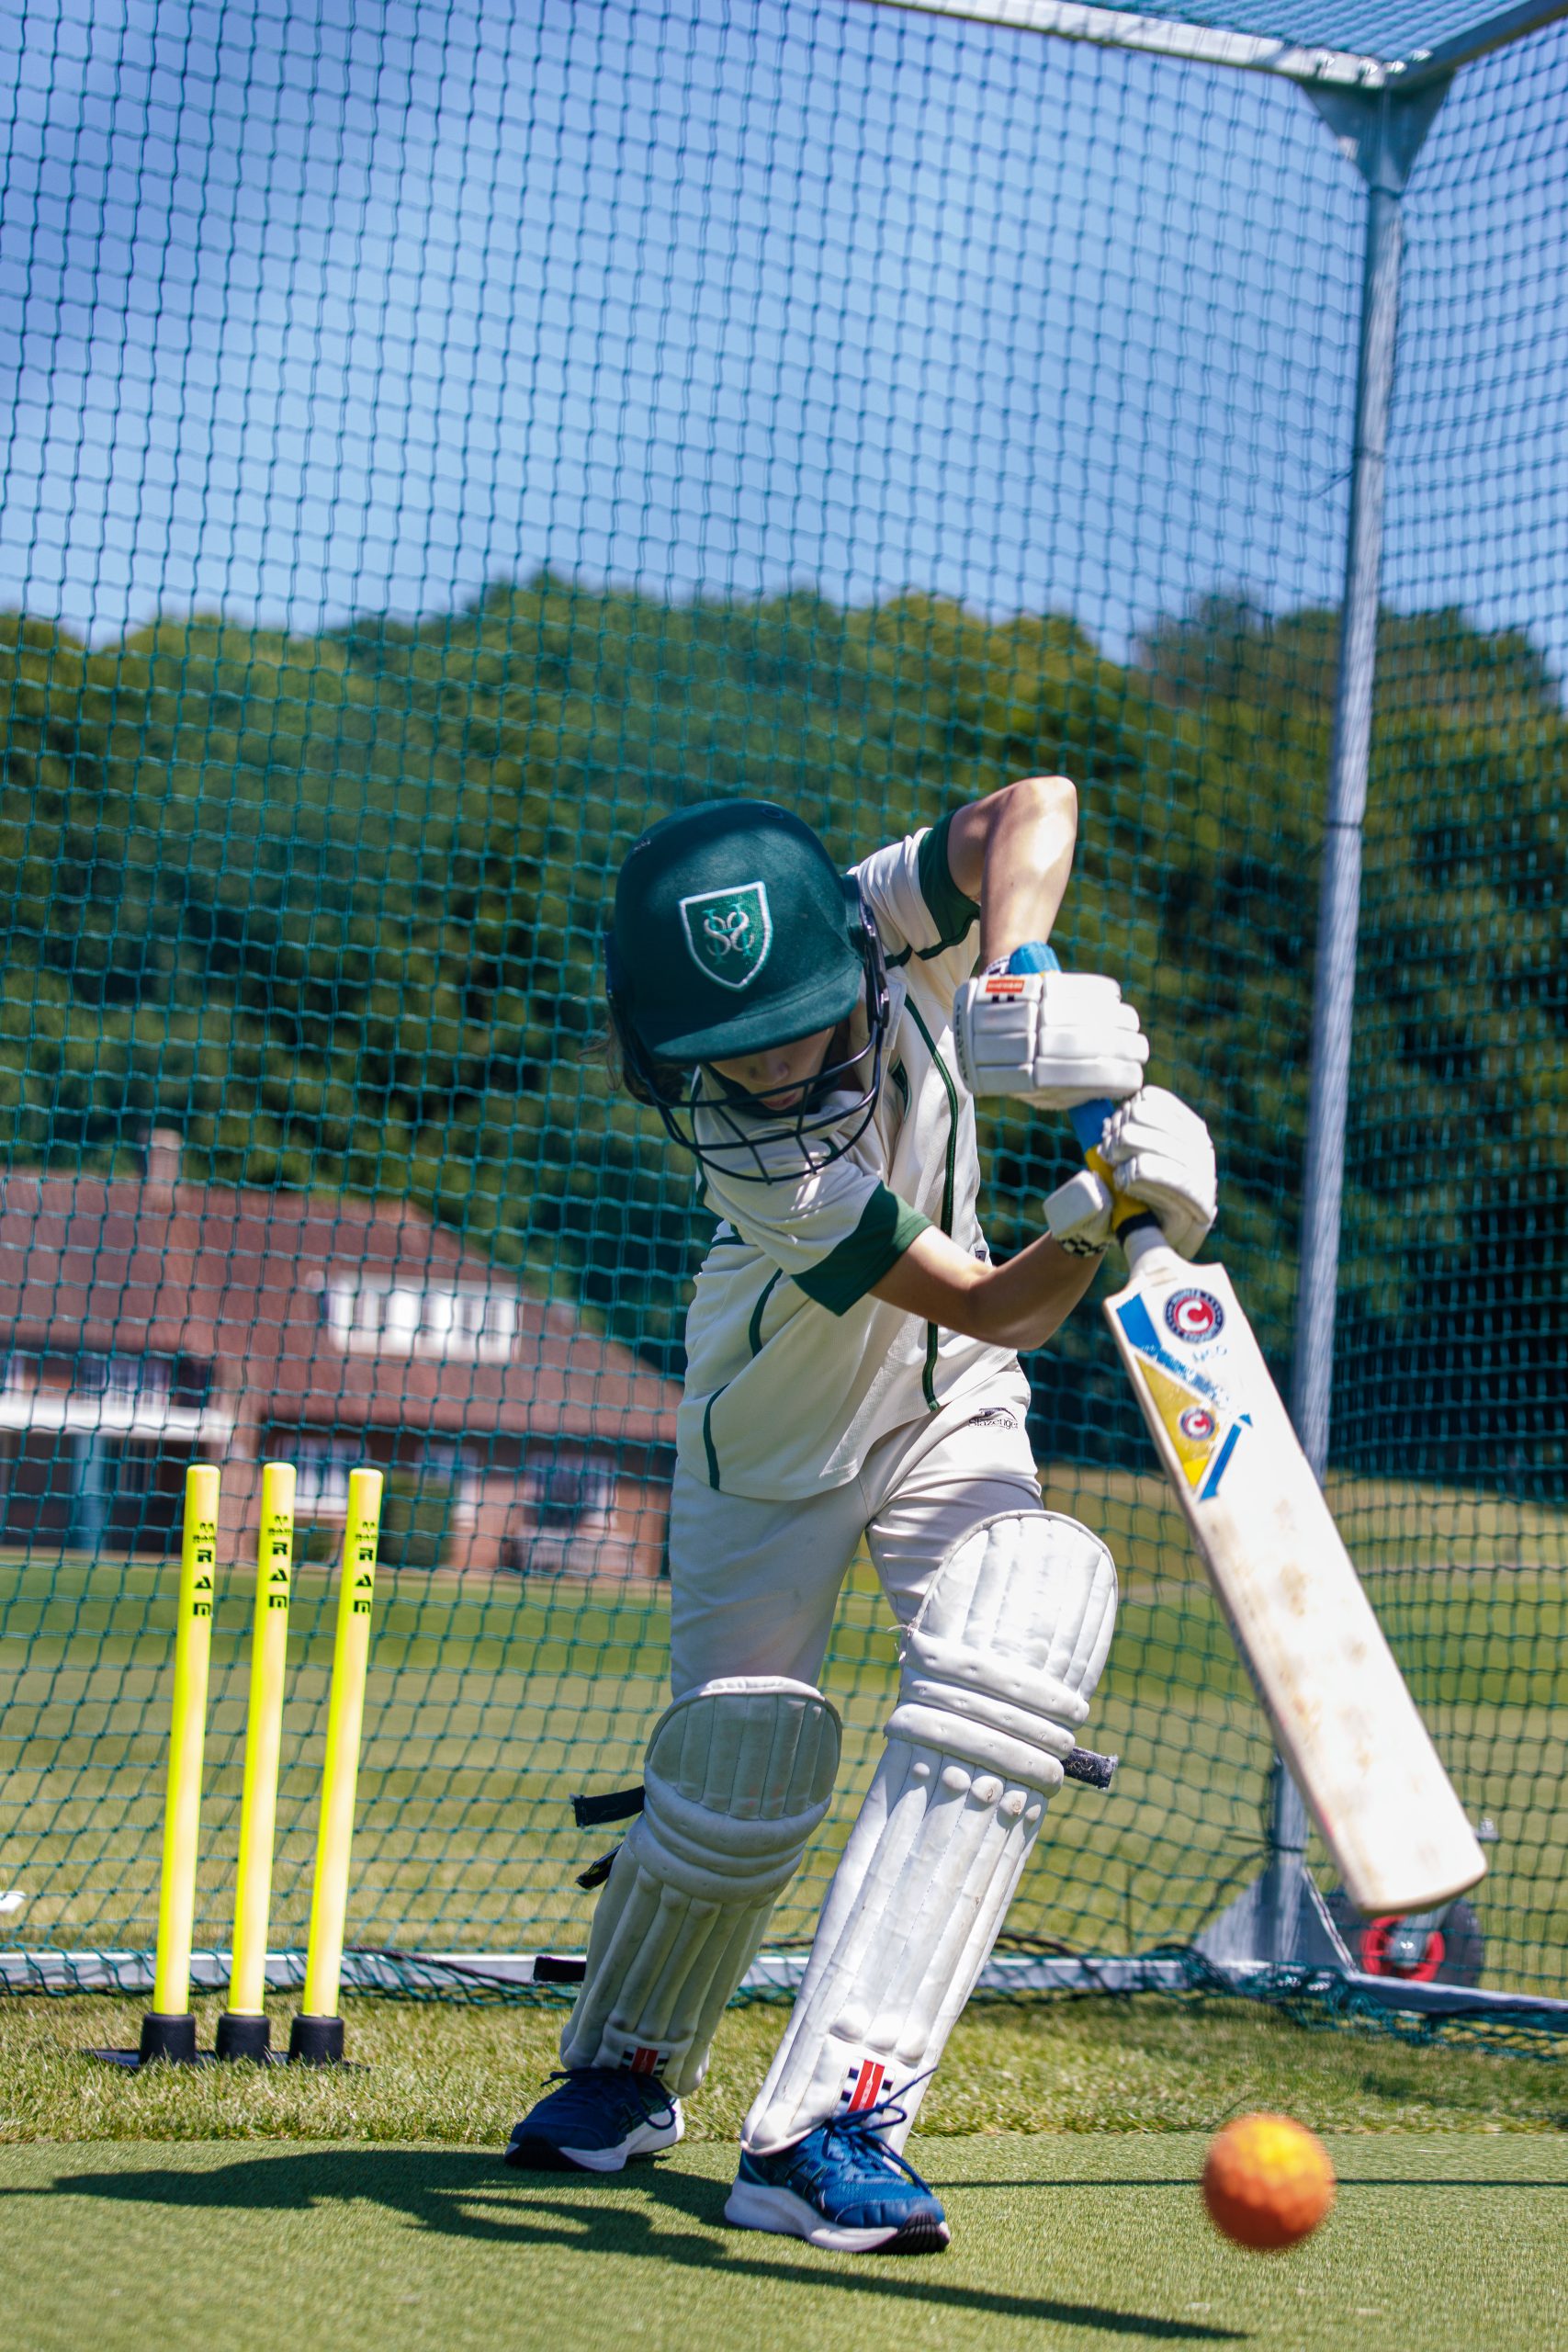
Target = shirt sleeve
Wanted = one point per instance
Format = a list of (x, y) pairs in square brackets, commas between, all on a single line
[(917, 906), (834, 1233)]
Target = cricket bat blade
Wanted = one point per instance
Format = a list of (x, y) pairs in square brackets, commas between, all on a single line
[(1344, 1719)]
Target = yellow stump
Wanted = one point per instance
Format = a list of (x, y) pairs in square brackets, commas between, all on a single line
[(242, 2032), (310, 2037), (182, 1813)]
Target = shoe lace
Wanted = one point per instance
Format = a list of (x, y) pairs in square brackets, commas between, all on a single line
[(860, 2135), (644, 2092)]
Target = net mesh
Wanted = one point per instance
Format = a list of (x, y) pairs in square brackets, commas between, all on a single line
[(439, 444)]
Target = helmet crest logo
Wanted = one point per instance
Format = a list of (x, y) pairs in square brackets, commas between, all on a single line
[(729, 932)]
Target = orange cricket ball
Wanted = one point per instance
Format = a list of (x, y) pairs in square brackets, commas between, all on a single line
[(1267, 2181)]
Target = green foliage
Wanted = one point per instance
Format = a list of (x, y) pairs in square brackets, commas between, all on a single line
[(332, 907)]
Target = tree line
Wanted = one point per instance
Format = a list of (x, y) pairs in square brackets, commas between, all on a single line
[(332, 907)]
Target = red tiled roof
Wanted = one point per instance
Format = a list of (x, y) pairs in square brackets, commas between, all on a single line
[(236, 1278)]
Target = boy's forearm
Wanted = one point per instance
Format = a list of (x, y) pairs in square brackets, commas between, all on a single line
[(1020, 1304), (1024, 1303), (1014, 853)]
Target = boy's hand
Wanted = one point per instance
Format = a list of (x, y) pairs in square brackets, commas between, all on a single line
[(1052, 1038)]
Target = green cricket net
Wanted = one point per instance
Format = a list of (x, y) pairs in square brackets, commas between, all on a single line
[(442, 438)]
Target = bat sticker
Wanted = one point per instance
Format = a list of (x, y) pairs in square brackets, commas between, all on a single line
[(1221, 1461), (1138, 1323), (1201, 1424), (1193, 1315)]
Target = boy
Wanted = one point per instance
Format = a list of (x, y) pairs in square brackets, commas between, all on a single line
[(815, 1041)]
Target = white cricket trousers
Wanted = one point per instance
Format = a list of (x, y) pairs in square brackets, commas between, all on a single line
[(753, 1585)]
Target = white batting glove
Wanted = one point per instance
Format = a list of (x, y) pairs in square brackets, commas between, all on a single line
[(1052, 1038), (1160, 1155)]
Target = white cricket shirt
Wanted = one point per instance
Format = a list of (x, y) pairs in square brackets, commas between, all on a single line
[(793, 1369)]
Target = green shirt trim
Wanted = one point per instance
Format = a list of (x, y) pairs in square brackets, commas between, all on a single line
[(954, 915), (932, 1335), (754, 1332), (886, 1227), (708, 1437)]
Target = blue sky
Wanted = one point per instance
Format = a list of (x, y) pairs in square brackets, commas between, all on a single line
[(315, 306)]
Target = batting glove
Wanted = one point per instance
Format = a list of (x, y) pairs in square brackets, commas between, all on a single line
[(1077, 1214), (1052, 1038), (1160, 1155)]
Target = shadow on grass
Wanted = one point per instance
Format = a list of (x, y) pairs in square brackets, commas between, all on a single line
[(1422, 2181), (456, 2194)]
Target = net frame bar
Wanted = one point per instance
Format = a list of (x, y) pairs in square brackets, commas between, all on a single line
[(1501, 31), (518, 1974), (1247, 52), (1163, 37)]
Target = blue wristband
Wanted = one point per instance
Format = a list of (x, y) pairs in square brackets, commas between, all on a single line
[(1033, 956)]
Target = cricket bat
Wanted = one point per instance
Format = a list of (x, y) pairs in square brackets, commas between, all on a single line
[(1342, 1715)]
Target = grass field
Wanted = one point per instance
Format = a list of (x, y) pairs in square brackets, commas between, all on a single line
[(266, 2210), (1063, 2247), (490, 1703)]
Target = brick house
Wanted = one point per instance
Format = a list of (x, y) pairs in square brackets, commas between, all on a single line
[(147, 1323)]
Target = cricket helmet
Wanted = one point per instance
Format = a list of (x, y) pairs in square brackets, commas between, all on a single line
[(734, 930)]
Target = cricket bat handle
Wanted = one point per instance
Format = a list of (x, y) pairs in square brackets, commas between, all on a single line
[(1137, 1229)]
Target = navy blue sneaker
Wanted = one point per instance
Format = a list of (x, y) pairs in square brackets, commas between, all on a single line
[(594, 2119), (840, 2186)]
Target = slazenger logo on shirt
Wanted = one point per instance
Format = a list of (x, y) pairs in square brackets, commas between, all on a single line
[(729, 933)]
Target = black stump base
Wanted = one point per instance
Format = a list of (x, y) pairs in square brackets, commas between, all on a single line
[(316, 2041), (169, 2035), (245, 2037)]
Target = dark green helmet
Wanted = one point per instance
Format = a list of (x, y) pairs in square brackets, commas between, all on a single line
[(734, 930)]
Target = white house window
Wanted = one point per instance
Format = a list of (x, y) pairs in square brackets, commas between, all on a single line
[(374, 1316), (446, 1459), (322, 1466), (133, 1476), (435, 1317), (123, 1376), (340, 1306), (576, 1494)]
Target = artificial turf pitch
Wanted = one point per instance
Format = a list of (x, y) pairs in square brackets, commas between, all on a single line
[(1063, 2242), (269, 2209)]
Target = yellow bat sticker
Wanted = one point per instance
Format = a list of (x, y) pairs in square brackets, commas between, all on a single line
[(1193, 1426)]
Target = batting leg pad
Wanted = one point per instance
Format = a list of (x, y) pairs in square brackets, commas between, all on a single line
[(740, 1774), (999, 1669)]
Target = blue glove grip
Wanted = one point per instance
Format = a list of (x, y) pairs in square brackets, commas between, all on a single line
[(1087, 1118)]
